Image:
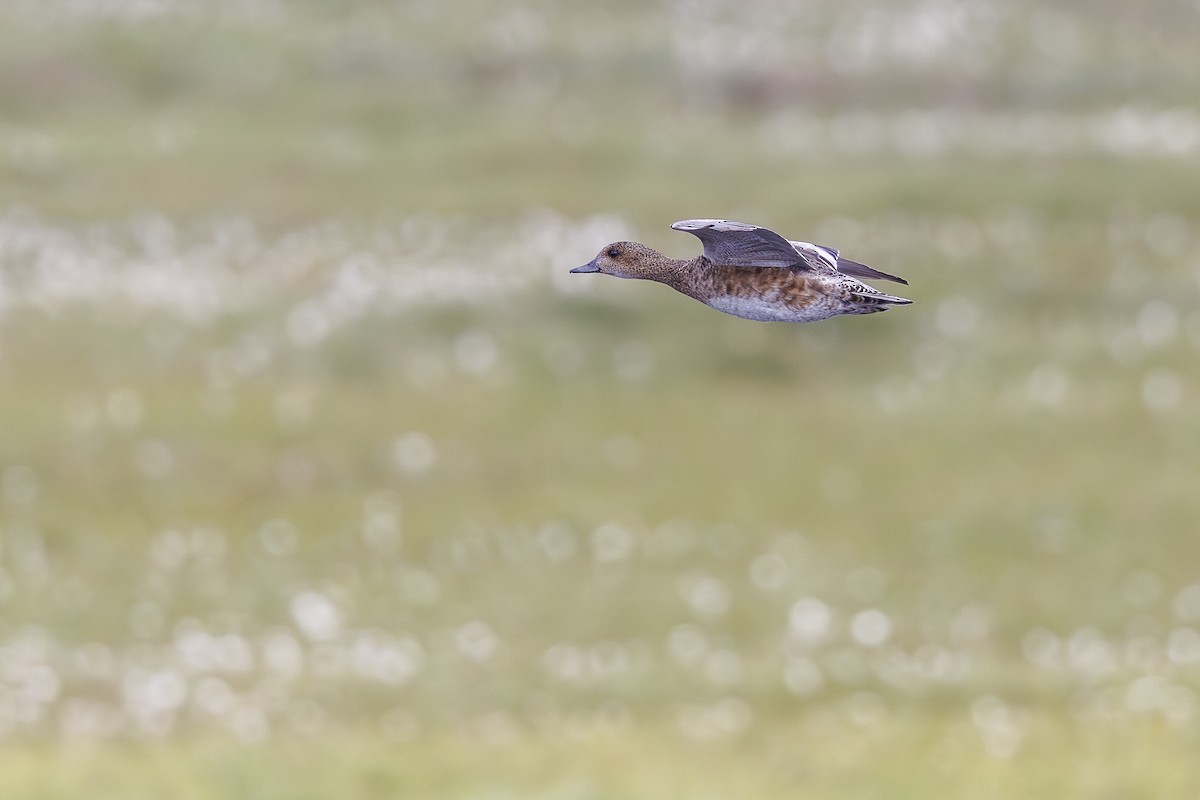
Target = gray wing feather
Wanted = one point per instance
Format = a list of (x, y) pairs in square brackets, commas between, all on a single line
[(830, 258), (738, 244), (857, 270)]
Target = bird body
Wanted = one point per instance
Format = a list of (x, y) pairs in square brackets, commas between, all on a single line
[(752, 272)]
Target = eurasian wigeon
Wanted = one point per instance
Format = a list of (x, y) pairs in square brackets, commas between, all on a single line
[(752, 272)]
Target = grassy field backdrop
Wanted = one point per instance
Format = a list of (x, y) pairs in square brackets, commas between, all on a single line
[(319, 477)]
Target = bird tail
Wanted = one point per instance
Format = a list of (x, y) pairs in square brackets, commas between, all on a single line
[(869, 302)]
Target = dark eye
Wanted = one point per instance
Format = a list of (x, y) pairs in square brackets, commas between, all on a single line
[(613, 252)]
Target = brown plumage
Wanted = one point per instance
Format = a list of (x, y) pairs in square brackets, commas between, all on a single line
[(755, 273)]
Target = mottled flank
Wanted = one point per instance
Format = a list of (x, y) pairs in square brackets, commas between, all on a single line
[(752, 272)]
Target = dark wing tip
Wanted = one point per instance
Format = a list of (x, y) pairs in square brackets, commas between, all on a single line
[(857, 270)]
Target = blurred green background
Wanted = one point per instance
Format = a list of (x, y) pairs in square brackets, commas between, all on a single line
[(320, 478)]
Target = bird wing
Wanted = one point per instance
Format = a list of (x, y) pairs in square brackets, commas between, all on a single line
[(737, 244), (857, 270), (830, 258), (817, 255)]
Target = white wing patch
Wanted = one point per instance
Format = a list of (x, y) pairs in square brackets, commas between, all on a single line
[(826, 254)]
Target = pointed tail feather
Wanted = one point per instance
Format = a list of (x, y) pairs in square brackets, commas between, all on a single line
[(877, 298)]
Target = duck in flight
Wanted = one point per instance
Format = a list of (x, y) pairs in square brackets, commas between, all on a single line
[(752, 272)]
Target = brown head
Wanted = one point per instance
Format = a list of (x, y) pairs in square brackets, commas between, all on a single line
[(629, 260)]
